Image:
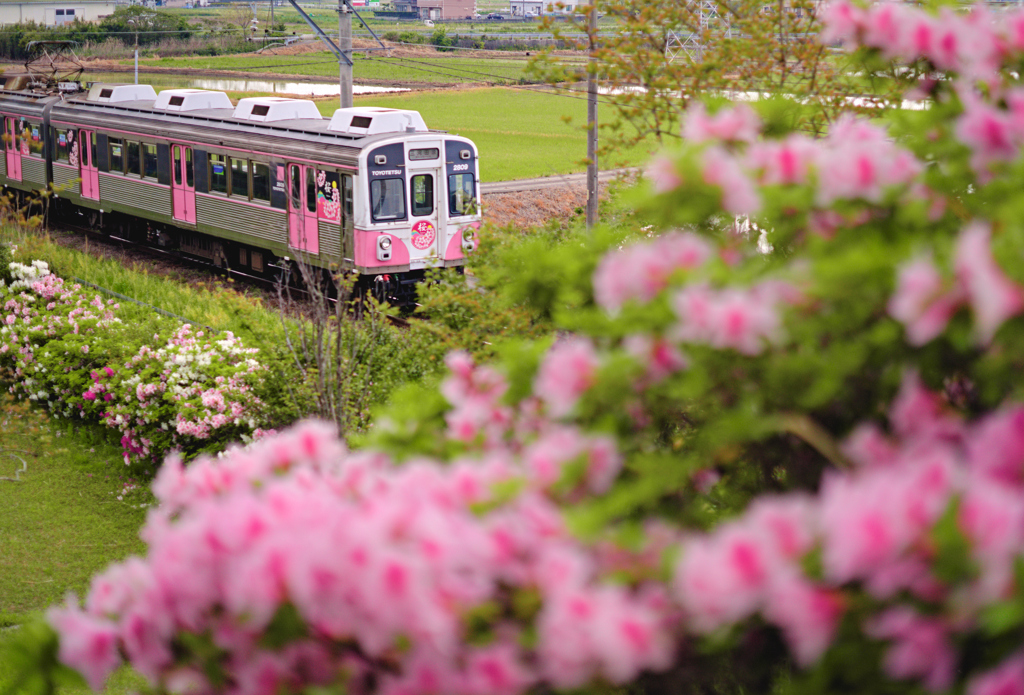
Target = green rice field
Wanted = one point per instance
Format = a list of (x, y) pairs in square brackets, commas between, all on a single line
[(520, 132), (430, 69)]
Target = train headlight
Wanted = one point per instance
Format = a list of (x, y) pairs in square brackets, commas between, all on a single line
[(469, 238), (384, 248)]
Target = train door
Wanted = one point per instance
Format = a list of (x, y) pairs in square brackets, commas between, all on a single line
[(303, 229), (426, 195), (12, 150), (89, 173), (183, 184)]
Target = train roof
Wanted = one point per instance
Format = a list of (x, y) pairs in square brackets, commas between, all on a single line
[(292, 119)]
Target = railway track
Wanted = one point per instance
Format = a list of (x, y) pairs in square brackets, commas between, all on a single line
[(547, 182)]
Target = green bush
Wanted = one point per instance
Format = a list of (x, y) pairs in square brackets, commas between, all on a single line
[(5, 262)]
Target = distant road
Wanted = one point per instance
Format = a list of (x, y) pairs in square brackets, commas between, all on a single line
[(549, 182)]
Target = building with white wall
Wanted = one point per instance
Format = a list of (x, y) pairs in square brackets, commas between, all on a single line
[(526, 8), (53, 13)]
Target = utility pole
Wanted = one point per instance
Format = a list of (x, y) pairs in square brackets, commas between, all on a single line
[(345, 45), (134, 21), (592, 190)]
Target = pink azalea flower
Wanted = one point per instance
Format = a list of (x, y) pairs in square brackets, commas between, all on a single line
[(88, 644), (842, 21), (921, 303), (1005, 679), (808, 616), (568, 370), (724, 577), (920, 648), (641, 271), (989, 132), (783, 163), (663, 174), (995, 445), (992, 296), (739, 196), (495, 670), (737, 124)]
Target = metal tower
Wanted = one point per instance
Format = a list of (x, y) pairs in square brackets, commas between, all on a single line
[(690, 44)]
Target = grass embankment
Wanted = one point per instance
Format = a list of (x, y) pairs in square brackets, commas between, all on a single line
[(206, 302)]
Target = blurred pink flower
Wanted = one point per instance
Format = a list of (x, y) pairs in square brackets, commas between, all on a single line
[(88, 644), (568, 370), (992, 296)]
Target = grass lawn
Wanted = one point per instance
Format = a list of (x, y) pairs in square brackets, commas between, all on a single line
[(62, 522), (520, 132)]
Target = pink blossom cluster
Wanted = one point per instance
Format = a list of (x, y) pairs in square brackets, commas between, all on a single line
[(188, 389), (856, 160), (69, 316), (745, 320), (978, 47), (924, 302), (382, 564), (741, 319), (975, 45), (641, 271), (993, 134), (386, 566), (871, 527)]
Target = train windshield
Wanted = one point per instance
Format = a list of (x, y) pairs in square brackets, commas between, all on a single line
[(461, 194), (387, 197)]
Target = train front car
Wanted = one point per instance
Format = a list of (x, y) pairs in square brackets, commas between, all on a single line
[(418, 193)]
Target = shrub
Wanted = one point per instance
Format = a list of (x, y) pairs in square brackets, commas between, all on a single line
[(6, 258), (69, 351), (777, 447)]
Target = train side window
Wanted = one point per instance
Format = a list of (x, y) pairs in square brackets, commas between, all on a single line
[(310, 189), (33, 132), (240, 177), (190, 173), (116, 155), (387, 199), (92, 148), (328, 192), (461, 194), (346, 197), (149, 161), (134, 161), (422, 195), (176, 157), (296, 187), (60, 143), (261, 182), (219, 173)]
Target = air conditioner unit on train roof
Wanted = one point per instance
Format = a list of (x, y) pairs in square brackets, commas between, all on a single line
[(178, 100), (266, 109), (113, 93), (366, 120)]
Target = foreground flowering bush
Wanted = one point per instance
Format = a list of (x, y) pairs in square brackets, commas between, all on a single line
[(72, 353), (790, 461)]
